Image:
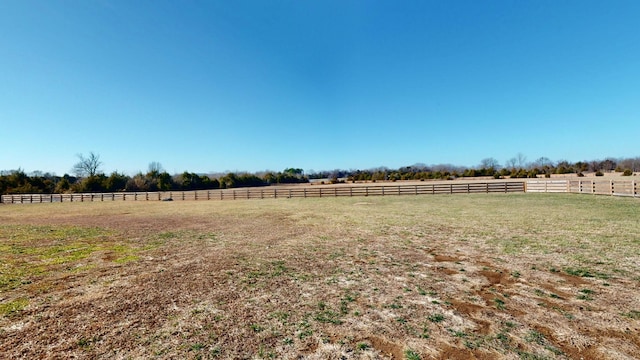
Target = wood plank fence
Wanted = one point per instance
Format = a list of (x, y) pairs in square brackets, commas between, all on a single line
[(596, 187), (277, 192)]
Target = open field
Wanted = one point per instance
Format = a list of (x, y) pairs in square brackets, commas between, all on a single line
[(501, 276)]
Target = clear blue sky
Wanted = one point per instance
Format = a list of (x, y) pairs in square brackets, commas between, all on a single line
[(211, 86)]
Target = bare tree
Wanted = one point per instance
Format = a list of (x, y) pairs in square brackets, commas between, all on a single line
[(522, 159), (489, 163), (630, 163), (542, 162), (87, 166), (608, 164), (511, 163), (155, 168)]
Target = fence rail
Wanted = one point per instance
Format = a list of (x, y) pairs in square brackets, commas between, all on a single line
[(276, 192), (596, 187)]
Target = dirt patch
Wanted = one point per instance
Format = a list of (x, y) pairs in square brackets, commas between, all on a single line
[(279, 279), (447, 258), (386, 347), (449, 352), (497, 277)]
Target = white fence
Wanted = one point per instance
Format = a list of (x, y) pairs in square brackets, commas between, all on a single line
[(596, 186)]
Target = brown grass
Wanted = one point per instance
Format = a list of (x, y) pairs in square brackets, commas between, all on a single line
[(529, 276)]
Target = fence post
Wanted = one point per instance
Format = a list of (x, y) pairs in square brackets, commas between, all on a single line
[(593, 187), (304, 193), (634, 189), (382, 190), (611, 185)]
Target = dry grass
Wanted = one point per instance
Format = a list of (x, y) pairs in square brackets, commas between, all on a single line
[(467, 276)]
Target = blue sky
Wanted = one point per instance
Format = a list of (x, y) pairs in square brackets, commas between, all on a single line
[(214, 86)]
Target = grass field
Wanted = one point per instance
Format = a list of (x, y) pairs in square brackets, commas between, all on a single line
[(518, 276)]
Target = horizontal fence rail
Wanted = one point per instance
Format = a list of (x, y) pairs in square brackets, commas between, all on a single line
[(275, 193), (596, 187)]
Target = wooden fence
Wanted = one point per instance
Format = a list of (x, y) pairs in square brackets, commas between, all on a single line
[(277, 192), (596, 187)]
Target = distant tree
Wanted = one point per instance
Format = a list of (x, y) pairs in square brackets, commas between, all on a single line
[(630, 163), (564, 167), (94, 183), (115, 182), (490, 163), (155, 168), (522, 159), (138, 183), (608, 164), (87, 166), (62, 186), (294, 171), (582, 166), (512, 163), (165, 181), (543, 162)]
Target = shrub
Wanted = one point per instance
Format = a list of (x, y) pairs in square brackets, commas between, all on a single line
[(599, 173), (627, 172)]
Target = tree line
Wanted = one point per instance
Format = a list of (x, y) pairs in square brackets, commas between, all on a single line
[(89, 178), (516, 167), (18, 182)]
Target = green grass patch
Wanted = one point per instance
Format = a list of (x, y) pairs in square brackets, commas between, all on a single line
[(436, 318), (582, 272), (410, 354), (126, 259), (12, 307), (28, 252), (633, 314)]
